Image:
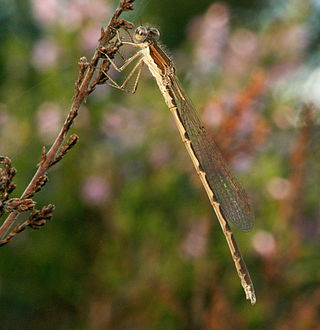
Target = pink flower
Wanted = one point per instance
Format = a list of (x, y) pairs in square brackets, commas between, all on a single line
[(70, 14), (279, 188), (45, 11), (125, 126), (96, 10), (243, 52), (210, 35), (89, 36), (49, 121), (213, 113), (264, 243), (159, 155), (95, 190), (241, 162), (45, 54), (195, 242)]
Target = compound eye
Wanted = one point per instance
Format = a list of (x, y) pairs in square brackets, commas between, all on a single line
[(141, 34), (155, 33)]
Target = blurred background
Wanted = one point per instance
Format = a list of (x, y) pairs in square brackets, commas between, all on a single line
[(134, 242)]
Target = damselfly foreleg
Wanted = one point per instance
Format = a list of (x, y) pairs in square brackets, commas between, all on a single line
[(137, 67), (123, 86)]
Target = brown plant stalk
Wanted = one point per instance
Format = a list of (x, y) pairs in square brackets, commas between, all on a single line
[(90, 74)]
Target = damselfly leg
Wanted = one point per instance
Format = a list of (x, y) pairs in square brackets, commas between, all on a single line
[(137, 68)]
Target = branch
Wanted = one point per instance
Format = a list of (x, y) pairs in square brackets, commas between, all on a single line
[(84, 86)]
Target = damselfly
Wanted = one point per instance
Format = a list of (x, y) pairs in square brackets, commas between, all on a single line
[(228, 199)]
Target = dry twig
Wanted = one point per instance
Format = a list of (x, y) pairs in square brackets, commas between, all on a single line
[(85, 85)]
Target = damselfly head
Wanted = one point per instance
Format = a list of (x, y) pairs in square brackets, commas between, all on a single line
[(144, 33)]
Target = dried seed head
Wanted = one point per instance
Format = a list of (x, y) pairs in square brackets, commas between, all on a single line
[(38, 218), (18, 205)]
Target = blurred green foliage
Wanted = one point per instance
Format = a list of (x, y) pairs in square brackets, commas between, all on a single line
[(134, 243)]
